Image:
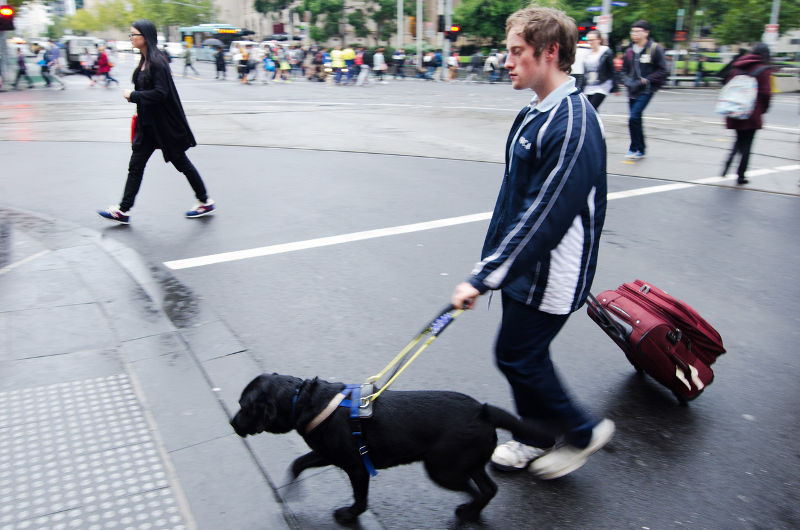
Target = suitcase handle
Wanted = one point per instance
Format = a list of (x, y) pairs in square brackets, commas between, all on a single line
[(609, 320)]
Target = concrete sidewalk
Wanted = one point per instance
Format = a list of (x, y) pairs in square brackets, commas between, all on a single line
[(110, 411)]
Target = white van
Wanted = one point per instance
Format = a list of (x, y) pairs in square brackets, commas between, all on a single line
[(74, 46)]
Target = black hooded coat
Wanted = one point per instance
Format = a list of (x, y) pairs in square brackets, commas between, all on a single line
[(160, 111)]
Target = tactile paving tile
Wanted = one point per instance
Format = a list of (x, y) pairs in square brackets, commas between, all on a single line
[(80, 455)]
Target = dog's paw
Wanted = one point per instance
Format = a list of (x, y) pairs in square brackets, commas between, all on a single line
[(345, 515), (468, 513)]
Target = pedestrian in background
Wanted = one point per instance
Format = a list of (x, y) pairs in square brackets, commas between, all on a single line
[(644, 71), (598, 70), (44, 62), (188, 60), (756, 62), (104, 67), (87, 65), (541, 247), (22, 70), (219, 59), (160, 124), (379, 65), (399, 62)]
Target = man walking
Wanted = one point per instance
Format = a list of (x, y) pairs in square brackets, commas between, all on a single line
[(541, 247), (644, 70)]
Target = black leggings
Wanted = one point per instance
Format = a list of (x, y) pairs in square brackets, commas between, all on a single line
[(595, 99), (743, 144), (143, 147)]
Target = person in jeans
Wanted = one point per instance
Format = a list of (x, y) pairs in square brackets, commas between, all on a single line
[(541, 247), (160, 124), (644, 71)]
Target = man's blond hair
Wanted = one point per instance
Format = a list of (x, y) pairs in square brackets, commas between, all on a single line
[(541, 26)]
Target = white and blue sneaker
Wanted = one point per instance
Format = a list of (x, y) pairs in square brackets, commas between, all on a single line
[(113, 213), (634, 155), (201, 208)]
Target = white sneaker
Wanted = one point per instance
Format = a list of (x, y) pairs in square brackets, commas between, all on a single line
[(568, 458), (514, 456)]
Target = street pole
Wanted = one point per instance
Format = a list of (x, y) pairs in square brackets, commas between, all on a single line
[(776, 9), (400, 23), (448, 21), (3, 59), (419, 34), (674, 66)]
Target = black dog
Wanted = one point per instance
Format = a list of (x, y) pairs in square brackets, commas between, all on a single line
[(453, 434)]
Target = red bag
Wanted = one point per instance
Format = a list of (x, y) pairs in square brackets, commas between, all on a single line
[(660, 335), (133, 126)]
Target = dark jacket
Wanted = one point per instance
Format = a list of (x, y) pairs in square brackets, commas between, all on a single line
[(650, 64), (746, 64), (542, 242), (219, 58), (605, 70), (160, 111)]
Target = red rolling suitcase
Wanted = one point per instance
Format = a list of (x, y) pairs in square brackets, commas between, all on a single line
[(660, 335)]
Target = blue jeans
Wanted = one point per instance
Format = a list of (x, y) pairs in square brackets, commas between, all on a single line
[(637, 106), (522, 353)]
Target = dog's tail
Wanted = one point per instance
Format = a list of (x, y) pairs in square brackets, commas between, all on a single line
[(525, 430)]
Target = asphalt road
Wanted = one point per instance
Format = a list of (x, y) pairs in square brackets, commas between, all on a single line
[(297, 162)]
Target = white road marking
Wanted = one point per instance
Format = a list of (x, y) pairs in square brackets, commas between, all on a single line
[(14, 265), (283, 248)]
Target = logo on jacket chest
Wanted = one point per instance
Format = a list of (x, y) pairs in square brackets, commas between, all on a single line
[(524, 143)]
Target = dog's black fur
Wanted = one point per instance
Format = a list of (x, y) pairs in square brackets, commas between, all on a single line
[(453, 434)]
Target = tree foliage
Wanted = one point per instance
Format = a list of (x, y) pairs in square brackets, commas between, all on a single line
[(732, 21), (120, 13)]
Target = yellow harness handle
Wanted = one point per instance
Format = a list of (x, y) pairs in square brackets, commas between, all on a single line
[(436, 326)]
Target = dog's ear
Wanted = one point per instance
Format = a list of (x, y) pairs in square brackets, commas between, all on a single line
[(270, 413)]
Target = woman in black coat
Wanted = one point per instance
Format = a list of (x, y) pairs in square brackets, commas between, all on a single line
[(219, 59), (160, 124)]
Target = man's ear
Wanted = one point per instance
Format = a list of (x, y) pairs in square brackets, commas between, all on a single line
[(551, 52)]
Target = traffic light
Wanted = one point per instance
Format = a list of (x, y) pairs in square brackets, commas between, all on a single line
[(412, 26), (583, 29), (440, 25), (453, 33), (6, 18)]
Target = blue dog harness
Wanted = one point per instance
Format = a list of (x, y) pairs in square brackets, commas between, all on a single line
[(353, 403), (349, 397)]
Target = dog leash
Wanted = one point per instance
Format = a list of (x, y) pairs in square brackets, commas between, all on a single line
[(402, 359)]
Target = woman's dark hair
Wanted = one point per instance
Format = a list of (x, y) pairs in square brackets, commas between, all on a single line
[(762, 50), (153, 55)]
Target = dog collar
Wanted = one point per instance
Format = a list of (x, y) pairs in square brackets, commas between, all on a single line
[(327, 411)]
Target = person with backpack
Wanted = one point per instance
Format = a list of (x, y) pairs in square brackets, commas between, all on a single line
[(44, 60), (755, 64), (644, 71)]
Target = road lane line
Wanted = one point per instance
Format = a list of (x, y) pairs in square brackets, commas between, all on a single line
[(323, 241), (14, 265), (307, 244)]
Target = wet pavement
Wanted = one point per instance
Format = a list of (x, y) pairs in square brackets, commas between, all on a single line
[(108, 365), (118, 374)]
